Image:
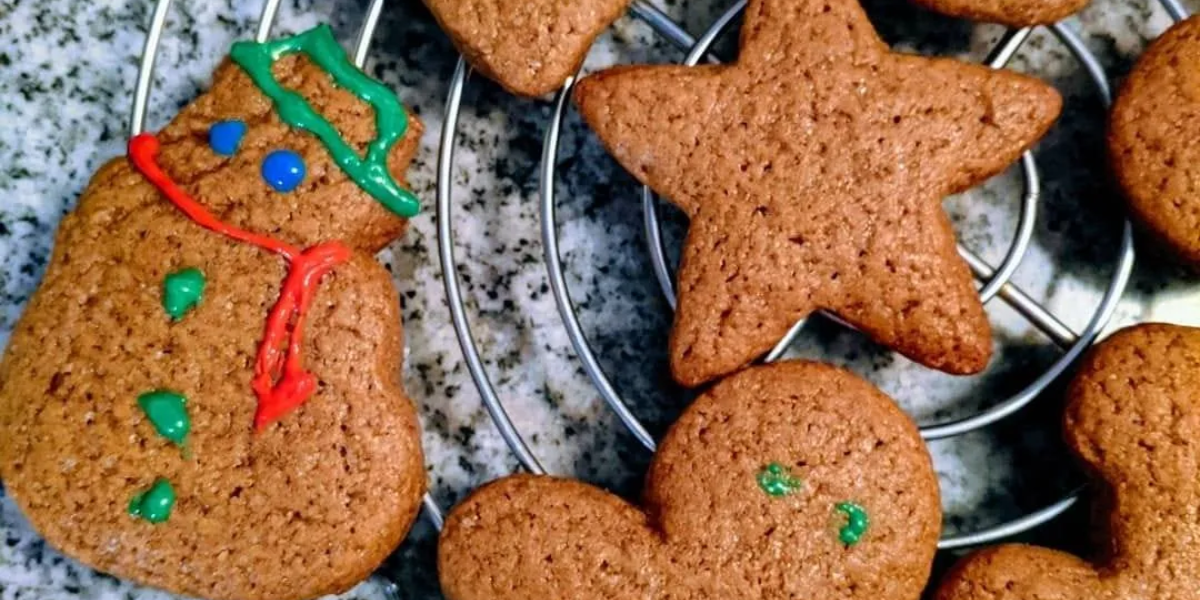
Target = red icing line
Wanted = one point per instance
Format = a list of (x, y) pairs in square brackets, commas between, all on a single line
[(280, 381)]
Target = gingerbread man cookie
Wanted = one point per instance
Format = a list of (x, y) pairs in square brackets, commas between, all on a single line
[(203, 395), (794, 480), (1133, 418), (1014, 13), (530, 47), (813, 172), (1154, 140)]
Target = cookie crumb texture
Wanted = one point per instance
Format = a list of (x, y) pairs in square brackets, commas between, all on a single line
[(707, 530), (307, 507), (530, 47), (1154, 140), (813, 171), (1133, 418), (1014, 13)]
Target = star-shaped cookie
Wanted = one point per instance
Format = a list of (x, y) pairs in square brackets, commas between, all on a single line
[(1014, 13), (813, 172), (530, 47)]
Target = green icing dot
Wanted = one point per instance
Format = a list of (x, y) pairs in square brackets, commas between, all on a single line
[(182, 291), (167, 411), (154, 504), (777, 481), (857, 523)]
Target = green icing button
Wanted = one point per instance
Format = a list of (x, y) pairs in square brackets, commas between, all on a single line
[(154, 504), (777, 481), (167, 411), (182, 291)]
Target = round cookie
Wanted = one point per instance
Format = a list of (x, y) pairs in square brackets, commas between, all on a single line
[(127, 415), (1014, 13), (1133, 418), (1154, 140), (794, 480)]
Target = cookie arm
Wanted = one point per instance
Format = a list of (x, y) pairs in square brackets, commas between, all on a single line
[(648, 119)]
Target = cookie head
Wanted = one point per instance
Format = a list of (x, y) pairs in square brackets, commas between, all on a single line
[(1133, 417), (203, 395), (813, 172), (792, 480), (530, 47), (286, 145), (1152, 137), (1014, 13)]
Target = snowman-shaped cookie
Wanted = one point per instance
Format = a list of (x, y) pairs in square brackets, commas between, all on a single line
[(204, 394)]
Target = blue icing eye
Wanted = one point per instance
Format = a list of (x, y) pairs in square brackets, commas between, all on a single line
[(283, 169), (224, 137)]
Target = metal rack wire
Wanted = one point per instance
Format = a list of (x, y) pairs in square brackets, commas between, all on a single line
[(995, 281)]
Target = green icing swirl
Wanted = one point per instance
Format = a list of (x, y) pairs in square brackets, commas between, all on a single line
[(857, 523), (777, 481)]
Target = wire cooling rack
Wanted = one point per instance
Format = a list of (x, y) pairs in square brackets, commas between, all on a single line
[(995, 282)]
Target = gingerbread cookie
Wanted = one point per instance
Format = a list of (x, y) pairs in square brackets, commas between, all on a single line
[(794, 480), (813, 172), (1133, 417), (203, 395), (1154, 140), (530, 47), (1014, 13)]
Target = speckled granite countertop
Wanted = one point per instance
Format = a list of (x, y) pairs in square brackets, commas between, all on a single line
[(67, 72)]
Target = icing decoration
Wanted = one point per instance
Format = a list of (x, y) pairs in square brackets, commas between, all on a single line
[(225, 137), (857, 522), (391, 121), (283, 170), (280, 381), (295, 385), (167, 412), (182, 291), (777, 481), (154, 504)]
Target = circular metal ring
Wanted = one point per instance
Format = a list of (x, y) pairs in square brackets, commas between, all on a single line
[(1075, 344)]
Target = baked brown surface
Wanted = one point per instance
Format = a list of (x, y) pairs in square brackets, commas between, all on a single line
[(1133, 418), (707, 529), (307, 507), (1014, 13), (1154, 140), (530, 47), (813, 172)]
